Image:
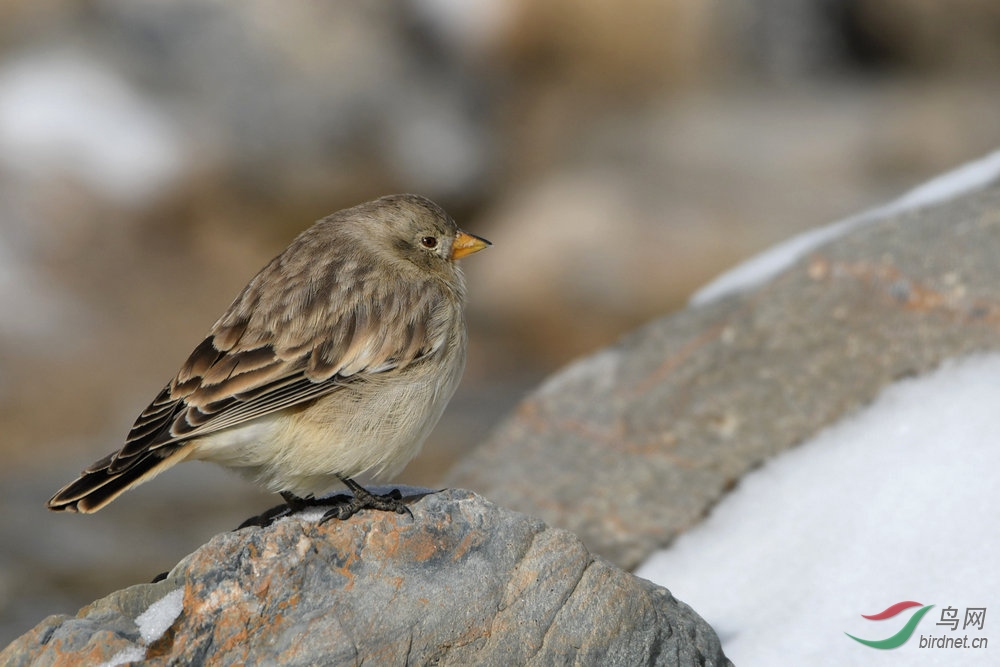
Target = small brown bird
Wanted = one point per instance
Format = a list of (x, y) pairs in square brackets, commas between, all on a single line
[(336, 360)]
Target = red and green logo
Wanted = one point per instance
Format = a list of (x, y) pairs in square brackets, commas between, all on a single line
[(898, 639)]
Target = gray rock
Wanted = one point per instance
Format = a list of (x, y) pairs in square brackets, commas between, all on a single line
[(462, 582), (632, 445)]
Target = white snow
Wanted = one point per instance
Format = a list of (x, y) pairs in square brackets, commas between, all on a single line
[(897, 502), (64, 113), (125, 656), (152, 623), (967, 178)]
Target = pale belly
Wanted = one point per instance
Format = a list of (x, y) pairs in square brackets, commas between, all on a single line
[(370, 431)]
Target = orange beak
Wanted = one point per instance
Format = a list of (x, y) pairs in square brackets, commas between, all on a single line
[(466, 244)]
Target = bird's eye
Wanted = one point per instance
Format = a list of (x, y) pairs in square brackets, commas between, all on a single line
[(429, 242)]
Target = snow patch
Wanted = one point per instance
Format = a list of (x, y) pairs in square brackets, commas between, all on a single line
[(897, 502), (125, 656), (153, 622)]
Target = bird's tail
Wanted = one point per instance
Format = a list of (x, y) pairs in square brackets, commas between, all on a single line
[(105, 480)]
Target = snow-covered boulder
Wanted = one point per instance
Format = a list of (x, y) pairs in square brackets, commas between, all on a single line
[(629, 447)]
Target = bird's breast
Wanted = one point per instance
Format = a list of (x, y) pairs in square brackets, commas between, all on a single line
[(371, 427)]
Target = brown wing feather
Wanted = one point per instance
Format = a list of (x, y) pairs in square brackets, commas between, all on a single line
[(233, 376)]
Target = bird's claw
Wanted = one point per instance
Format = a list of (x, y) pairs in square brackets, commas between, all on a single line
[(348, 506)]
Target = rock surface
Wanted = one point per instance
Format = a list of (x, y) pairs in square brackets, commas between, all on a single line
[(630, 446), (462, 582)]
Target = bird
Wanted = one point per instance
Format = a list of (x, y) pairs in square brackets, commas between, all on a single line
[(335, 361)]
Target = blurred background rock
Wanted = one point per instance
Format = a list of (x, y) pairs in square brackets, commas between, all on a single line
[(619, 154)]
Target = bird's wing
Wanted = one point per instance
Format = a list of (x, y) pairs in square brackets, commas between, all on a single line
[(269, 352)]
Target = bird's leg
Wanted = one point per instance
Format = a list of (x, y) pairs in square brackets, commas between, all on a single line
[(364, 499)]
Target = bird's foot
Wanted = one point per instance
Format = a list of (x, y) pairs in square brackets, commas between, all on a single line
[(344, 507)]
